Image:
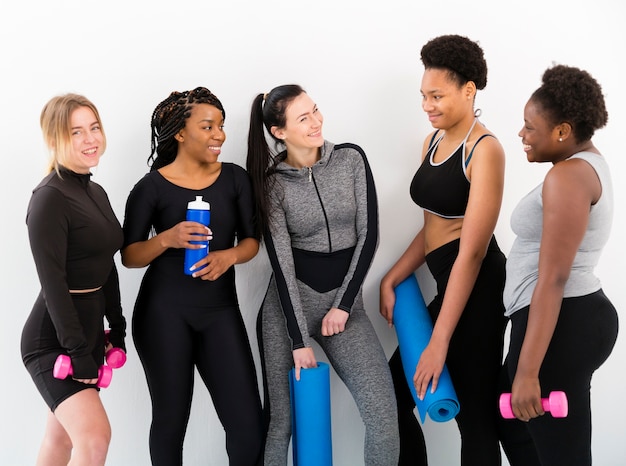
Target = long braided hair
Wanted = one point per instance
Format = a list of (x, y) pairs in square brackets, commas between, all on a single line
[(169, 117)]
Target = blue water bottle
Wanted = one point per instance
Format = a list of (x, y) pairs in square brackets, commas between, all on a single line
[(197, 211)]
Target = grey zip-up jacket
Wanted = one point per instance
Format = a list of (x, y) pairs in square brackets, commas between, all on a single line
[(323, 231)]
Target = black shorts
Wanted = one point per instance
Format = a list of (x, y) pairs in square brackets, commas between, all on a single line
[(54, 391), (40, 346)]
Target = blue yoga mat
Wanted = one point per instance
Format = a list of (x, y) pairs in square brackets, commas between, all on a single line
[(414, 327), (311, 432)]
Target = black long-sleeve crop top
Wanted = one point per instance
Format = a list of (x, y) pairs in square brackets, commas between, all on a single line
[(73, 235)]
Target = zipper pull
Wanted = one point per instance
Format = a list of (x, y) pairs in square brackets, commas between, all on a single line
[(310, 174)]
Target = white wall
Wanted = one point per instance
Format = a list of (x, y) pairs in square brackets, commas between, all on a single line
[(360, 62)]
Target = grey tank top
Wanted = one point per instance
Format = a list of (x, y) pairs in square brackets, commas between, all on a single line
[(527, 222)]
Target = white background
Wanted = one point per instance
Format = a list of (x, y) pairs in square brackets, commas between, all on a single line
[(360, 61)]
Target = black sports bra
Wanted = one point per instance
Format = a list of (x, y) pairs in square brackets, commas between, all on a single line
[(443, 188)]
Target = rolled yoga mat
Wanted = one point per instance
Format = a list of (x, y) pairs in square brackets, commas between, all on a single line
[(414, 327), (311, 433)]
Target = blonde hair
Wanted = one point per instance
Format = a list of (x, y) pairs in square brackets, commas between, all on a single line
[(55, 121)]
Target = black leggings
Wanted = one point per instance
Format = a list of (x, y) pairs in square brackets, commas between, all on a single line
[(583, 338), (474, 360), (170, 341)]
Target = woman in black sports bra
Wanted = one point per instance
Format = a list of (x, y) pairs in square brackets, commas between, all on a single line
[(459, 186)]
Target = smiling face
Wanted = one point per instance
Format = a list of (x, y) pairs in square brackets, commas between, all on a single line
[(445, 103), (303, 126), (539, 135), (203, 135), (86, 141)]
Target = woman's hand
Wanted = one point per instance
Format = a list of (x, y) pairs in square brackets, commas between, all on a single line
[(87, 381), (526, 398), (217, 262), (429, 367), (181, 235), (334, 322), (303, 358), (387, 301)]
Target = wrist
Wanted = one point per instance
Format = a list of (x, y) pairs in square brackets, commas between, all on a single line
[(387, 283), (438, 340), (162, 240), (525, 372)]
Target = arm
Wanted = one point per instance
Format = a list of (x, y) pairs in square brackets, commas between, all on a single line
[(481, 215), (219, 262), (569, 189), (142, 253), (247, 245), (113, 310), (366, 225), (408, 263), (139, 249), (278, 245), (48, 223), (412, 259)]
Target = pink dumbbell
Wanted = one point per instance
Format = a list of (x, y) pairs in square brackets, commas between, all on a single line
[(115, 357), (556, 404), (63, 368)]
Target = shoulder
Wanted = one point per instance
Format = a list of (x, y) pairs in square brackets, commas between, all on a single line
[(235, 177), (236, 172), (573, 178), (487, 143), (349, 152), (152, 178), (97, 187), (48, 193), (50, 189), (349, 148), (486, 151), (46, 202), (573, 167), (234, 169), (148, 186)]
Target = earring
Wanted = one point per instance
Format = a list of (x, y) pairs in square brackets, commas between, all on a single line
[(560, 139)]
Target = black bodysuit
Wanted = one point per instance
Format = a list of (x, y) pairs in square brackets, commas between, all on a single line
[(181, 322), (73, 236)]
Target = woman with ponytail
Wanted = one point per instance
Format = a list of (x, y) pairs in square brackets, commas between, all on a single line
[(318, 214)]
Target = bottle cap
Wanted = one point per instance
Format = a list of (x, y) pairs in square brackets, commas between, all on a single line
[(198, 204)]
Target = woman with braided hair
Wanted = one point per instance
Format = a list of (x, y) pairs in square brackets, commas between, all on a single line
[(184, 321)]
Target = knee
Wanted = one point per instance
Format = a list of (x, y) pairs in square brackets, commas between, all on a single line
[(58, 440), (95, 445)]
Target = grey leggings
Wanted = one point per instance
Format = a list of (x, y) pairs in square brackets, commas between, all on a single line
[(357, 357)]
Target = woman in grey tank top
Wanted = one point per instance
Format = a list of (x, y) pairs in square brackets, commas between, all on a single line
[(563, 326)]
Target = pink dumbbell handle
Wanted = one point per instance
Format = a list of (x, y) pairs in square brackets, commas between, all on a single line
[(555, 404), (116, 358), (63, 368)]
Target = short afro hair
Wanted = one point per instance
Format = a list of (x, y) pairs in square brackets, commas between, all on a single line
[(459, 55), (572, 95)]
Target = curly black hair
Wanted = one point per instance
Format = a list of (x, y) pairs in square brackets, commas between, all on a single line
[(569, 94), (460, 56), (169, 117)]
